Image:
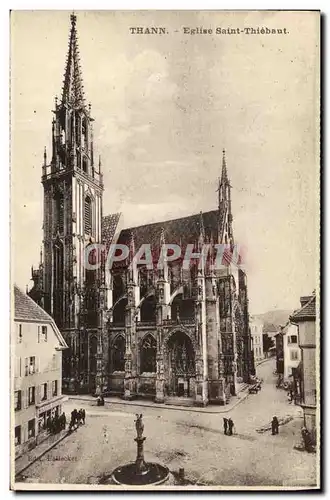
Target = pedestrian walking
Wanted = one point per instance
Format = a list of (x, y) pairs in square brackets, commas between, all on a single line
[(275, 426), (82, 415), (73, 419), (230, 427), (225, 425)]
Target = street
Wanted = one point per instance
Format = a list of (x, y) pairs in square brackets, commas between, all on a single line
[(190, 440)]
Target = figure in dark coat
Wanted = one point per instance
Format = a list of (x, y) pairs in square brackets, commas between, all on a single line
[(225, 425), (275, 426), (74, 419), (230, 427)]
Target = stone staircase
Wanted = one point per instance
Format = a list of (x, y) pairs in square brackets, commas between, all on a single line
[(241, 387), (179, 401)]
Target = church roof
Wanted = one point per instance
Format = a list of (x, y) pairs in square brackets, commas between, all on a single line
[(177, 231), (109, 226), (307, 312)]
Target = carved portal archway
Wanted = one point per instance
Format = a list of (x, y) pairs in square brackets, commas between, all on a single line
[(179, 365)]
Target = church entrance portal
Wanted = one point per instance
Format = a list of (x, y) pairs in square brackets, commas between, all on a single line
[(181, 366)]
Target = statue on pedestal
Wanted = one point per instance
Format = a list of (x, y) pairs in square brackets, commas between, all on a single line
[(139, 425)]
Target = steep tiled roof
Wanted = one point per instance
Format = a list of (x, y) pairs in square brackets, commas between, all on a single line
[(178, 231), (109, 226), (308, 311), (27, 309)]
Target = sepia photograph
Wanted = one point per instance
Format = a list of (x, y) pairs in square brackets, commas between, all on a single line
[(165, 250)]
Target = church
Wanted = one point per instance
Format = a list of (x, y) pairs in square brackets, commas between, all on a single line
[(172, 335)]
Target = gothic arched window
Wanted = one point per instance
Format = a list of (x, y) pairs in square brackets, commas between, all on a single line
[(118, 354), (148, 354), (88, 215)]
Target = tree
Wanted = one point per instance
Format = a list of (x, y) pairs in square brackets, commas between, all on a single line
[(267, 343)]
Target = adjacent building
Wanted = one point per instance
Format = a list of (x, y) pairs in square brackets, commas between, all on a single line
[(288, 356), (305, 319), (256, 328), (131, 330), (37, 347)]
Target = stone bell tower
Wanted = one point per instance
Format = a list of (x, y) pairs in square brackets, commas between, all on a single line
[(73, 190)]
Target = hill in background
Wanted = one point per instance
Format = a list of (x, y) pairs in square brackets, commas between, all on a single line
[(272, 320)]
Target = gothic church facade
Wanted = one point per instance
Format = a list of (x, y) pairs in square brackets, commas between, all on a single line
[(165, 334)]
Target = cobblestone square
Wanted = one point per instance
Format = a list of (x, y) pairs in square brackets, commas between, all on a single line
[(186, 439)]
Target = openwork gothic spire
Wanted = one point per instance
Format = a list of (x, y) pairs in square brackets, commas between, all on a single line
[(73, 89)]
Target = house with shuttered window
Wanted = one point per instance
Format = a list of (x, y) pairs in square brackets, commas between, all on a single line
[(37, 346)]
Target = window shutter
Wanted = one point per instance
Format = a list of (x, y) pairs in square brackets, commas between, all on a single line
[(38, 394), (26, 398)]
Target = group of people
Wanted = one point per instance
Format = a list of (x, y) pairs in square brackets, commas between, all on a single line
[(77, 418), (228, 426), (56, 424)]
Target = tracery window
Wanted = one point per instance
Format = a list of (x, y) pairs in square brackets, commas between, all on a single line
[(118, 354), (148, 354)]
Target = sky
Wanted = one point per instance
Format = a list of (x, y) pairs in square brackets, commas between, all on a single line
[(164, 108)]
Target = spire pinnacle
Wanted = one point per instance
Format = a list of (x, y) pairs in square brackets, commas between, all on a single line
[(131, 246), (72, 85), (224, 175), (201, 225), (162, 236), (201, 238)]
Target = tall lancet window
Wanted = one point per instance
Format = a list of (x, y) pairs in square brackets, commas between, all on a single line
[(60, 212), (88, 215), (84, 133)]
